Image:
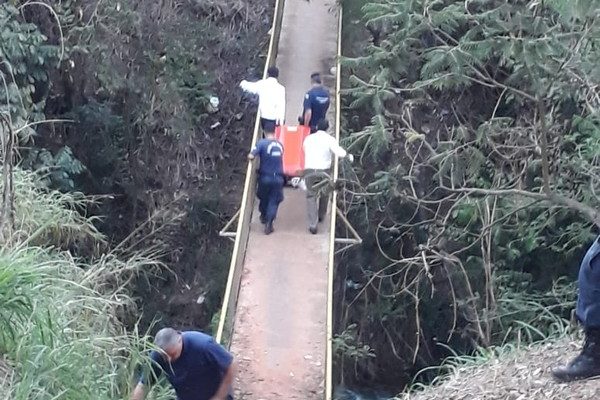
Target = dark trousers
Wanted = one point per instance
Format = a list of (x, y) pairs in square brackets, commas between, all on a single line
[(268, 125), (588, 301), (270, 194)]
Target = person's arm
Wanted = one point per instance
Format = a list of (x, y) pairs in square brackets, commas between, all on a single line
[(251, 87), (336, 148), (255, 151), (307, 110), (138, 392), (148, 377), (226, 383), (223, 360)]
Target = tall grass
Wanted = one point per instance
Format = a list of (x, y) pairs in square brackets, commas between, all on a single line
[(61, 331), (50, 217)]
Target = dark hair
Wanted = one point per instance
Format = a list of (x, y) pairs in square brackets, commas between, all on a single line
[(316, 77), (323, 125), (273, 72)]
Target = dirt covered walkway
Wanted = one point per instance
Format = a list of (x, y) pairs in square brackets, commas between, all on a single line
[(280, 326), (515, 375)]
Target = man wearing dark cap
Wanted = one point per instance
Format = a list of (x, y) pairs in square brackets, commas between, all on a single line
[(197, 367), (316, 103), (271, 99)]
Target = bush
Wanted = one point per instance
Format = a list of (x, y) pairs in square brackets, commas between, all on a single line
[(61, 330)]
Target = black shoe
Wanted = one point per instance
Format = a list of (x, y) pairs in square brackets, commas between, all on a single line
[(269, 228), (263, 219), (586, 364), (313, 230)]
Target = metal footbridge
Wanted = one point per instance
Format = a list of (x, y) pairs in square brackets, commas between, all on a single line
[(276, 316)]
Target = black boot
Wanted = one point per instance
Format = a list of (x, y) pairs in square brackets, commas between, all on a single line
[(269, 227), (586, 364)]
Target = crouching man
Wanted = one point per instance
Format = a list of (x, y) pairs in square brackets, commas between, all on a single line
[(587, 363), (197, 367)]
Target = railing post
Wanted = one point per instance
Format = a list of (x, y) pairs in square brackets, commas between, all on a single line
[(331, 263)]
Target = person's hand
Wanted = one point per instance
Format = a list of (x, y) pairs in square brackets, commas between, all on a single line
[(350, 157), (250, 156)]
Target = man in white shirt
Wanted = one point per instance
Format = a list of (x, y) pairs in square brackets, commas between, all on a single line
[(318, 149), (271, 99)]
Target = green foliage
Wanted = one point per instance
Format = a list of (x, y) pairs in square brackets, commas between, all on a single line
[(478, 129), (60, 328), (49, 216), (347, 345), (60, 170), (190, 79), (25, 59), (529, 317), (129, 82), (104, 133)]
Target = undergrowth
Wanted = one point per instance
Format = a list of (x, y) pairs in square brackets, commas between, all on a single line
[(526, 334), (61, 330)]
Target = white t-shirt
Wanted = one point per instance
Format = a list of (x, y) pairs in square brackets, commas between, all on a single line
[(318, 148), (271, 97)]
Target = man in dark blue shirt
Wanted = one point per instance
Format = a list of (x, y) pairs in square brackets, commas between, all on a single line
[(587, 363), (270, 178), (197, 367), (316, 103)]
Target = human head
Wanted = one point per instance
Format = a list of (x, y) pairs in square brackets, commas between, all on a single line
[(169, 341), (273, 72), (315, 78), (323, 125)]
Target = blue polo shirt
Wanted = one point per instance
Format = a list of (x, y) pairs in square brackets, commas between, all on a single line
[(198, 372), (270, 152), (316, 100)]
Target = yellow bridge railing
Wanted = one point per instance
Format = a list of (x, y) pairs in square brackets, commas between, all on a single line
[(332, 239), (225, 327)]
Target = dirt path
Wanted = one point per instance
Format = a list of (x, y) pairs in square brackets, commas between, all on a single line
[(515, 375), (280, 326)]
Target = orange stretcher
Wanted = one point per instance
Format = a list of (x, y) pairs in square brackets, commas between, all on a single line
[(292, 138)]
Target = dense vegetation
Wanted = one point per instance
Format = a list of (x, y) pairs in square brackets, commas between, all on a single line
[(112, 99), (478, 128), (478, 132), (61, 319)]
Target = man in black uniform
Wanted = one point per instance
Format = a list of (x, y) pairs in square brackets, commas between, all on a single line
[(316, 103), (270, 178)]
